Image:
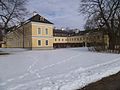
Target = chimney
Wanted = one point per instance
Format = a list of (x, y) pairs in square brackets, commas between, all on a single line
[(41, 18), (34, 13), (62, 29)]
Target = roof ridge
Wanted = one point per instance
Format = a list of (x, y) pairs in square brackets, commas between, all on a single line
[(36, 18)]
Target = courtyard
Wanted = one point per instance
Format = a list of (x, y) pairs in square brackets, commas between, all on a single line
[(57, 69)]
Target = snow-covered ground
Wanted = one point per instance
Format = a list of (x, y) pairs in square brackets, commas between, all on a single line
[(60, 69)]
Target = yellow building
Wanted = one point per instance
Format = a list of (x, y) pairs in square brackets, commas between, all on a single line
[(97, 38), (63, 38), (39, 33), (35, 33)]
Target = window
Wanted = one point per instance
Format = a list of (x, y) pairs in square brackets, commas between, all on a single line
[(46, 31), (46, 42), (55, 39), (41, 18), (39, 31), (62, 39), (98, 37), (87, 38), (39, 42), (83, 38), (59, 39)]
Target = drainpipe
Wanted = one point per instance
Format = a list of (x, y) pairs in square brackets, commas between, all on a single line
[(22, 24)]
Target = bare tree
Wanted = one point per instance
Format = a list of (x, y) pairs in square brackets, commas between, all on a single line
[(11, 12), (104, 13)]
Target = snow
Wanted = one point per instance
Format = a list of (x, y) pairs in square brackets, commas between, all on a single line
[(59, 69)]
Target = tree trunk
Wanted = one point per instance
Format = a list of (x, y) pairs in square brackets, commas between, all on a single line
[(112, 41)]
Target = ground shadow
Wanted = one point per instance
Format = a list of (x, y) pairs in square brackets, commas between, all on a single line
[(108, 83), (4, 53), (1, 87)]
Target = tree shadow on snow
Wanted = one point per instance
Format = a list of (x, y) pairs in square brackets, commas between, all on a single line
[(2, 87)]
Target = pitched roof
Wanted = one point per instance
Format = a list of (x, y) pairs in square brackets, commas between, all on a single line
[(38, 18), (60, 32)]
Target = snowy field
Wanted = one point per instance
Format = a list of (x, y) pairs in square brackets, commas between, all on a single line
[(60, 69)]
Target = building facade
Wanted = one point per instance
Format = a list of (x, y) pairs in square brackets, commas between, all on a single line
[(35, 33), (39, 33)]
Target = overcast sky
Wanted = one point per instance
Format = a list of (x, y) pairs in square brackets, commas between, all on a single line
[(63, 13)]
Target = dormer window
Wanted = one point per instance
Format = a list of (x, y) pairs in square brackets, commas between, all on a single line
[(41, 18)]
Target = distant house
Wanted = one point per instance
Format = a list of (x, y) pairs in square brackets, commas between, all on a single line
[(97, 38), (67, 38)]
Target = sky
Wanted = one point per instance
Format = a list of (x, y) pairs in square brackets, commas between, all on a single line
[(63, 13)]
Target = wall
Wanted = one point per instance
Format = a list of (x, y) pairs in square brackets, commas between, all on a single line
[(15, 38), (42, 36), (60, 39), (76, 39)]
